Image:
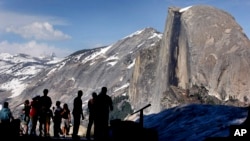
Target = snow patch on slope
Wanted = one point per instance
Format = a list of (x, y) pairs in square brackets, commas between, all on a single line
[(135, 33), (19, 68), (122, 87), (184, 9), (95, 54), (131, 65), (155, 35), (15, 85)]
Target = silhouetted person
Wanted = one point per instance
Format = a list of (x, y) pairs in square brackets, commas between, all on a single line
[(6, 117), (46, 103), (45, 100), (34, 112), (77, 113), (104, 105), (57, 119), (91, 108), (66, 118), (25, 118)]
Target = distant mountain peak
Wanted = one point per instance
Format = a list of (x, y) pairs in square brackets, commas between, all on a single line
[(147, 29)]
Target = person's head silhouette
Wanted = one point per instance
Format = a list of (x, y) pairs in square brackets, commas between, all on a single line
[(26, 102), (94, 94), (58, 103), (80, 93), (45, 92), (5, 104), (65, 106), (104, 90)]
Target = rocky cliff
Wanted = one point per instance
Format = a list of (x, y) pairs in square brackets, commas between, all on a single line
[(218, 53), (202, 49)]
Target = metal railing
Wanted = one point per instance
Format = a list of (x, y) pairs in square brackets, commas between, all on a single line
[(141, 114)]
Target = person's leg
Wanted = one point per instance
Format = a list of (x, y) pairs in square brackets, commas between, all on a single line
[(56, 132), (63, 127), (103, 127), (106, 129), (30, 125), (35, 124), (41, 121), (76, 125), (47, 128), (67, 127), (40, 127), (89, 127), (98, 129)]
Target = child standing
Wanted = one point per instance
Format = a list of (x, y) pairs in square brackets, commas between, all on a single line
[(25, 118), (57, 119)]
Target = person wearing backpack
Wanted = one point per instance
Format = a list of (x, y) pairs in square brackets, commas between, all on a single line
[(6, 118)]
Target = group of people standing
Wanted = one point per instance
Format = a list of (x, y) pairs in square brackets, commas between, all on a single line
[(39, 110), (99, 107)]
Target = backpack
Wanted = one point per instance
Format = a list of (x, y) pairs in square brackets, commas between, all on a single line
[(5, 114)]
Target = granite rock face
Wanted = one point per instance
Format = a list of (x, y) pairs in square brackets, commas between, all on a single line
[(144, 77), (218, 53), (202, 46)]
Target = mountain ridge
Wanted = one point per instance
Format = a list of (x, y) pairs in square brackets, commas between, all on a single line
[(200, 58), (90, 69)]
